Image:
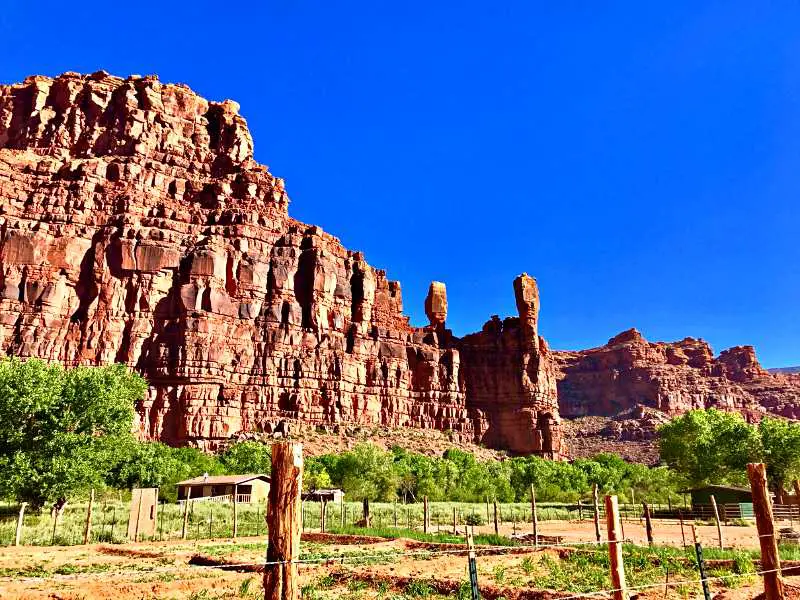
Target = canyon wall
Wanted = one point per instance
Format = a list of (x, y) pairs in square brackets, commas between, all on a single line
[(138, 228), (630, 372)]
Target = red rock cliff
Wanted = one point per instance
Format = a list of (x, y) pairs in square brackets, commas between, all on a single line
[(137, 228), (673, 377)]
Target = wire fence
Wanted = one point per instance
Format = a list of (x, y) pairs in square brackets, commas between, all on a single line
[(579, 571), (215, 520), (643, 564)]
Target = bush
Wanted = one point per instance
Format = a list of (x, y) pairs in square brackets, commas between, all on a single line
[(474, 519)]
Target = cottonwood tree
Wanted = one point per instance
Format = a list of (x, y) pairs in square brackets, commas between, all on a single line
[(710, 446), (780, 450), (62, 430)]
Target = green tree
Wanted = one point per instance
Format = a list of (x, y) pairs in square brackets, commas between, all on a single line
[(153, 464), (62, 431), (315, 475), (247, 457), (709, 446), (147, 464), (780, 450), (366, 472)]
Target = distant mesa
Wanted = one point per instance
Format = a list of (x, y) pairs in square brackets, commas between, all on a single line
[(785, 370)]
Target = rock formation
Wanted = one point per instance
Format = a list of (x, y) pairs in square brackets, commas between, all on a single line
[(509, 373), (631, 372), (436, 305), (137, 228)]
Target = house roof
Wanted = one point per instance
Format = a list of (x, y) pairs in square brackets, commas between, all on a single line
[(224, 479)]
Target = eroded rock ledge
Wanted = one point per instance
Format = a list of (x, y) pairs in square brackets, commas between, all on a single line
[(137, 228)]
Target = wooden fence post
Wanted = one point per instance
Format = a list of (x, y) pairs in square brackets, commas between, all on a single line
[(473, 567), (138, 517), (322, 515), (455, 521), (534, 518), (235, 510), (285, 506), (716, 518), (342, 510), (395, 513), (496, 526), (701, 565), (617, 564), (683, 535), (56, 514), (87, 529), (762, 507), (596, 500), (20, 518), (185, 511), (425, 516), (580, 510), (648, 523), (367, 515)]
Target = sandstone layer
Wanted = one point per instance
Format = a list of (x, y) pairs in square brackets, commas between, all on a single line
[(138, 228)]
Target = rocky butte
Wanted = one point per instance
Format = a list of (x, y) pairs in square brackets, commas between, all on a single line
[(640, 384), (137, 228)]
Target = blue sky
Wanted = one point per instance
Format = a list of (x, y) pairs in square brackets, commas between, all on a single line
[(641, 159)]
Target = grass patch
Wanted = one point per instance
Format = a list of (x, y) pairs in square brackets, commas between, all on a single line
[(419, 588), (491, 539), (390, 533)]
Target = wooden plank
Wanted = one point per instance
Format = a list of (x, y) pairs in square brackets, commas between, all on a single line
[(496, 525), (762, 507), (285, 507), (596, 500), (425, 516), (716, 518), (20, 519), (534, 518), (87, 528), (186, 511), (648, 523), (235, 511), (617, 565)]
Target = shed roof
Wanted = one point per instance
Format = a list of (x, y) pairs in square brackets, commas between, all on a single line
[(730, 488), (224, 479)]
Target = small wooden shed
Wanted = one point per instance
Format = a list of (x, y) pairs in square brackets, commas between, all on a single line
[(723, 494), (251, 488)]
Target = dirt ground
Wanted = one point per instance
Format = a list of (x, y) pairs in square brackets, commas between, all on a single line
[(346, 572)]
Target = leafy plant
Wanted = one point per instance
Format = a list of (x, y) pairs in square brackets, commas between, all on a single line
[(528, 565), (417, 588)]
